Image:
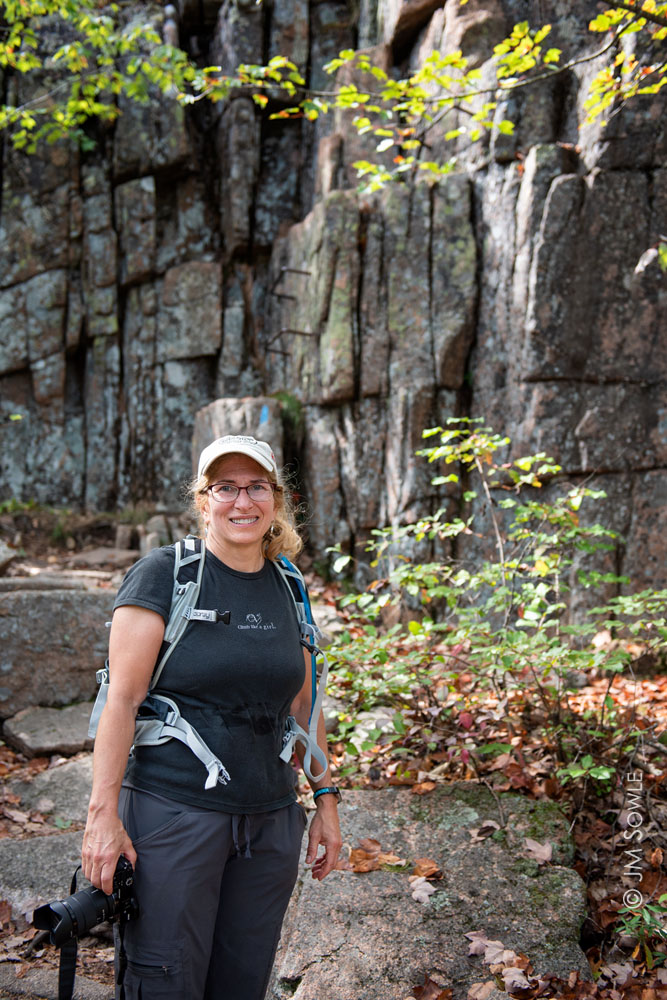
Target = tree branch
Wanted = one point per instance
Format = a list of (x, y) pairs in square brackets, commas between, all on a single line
[(639, 12)]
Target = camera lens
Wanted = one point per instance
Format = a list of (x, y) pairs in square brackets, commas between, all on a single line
[(90, 907), (74, 916), (56, 918)]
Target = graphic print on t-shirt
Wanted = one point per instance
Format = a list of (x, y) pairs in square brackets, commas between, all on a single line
[(255, 622)]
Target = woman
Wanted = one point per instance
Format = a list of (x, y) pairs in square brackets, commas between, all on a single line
[(214, 867)]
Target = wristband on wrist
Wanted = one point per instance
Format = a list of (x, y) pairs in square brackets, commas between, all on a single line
[(329, 790)]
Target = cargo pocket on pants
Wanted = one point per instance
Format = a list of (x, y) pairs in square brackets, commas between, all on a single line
[(155, 980)]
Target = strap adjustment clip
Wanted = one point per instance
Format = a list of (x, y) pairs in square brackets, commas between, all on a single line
[(200, 615)]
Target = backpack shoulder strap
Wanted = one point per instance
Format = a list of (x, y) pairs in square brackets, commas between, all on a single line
[(310, 637), (184, 595), (299, 593)]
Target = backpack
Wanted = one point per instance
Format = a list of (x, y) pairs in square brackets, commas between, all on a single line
[(159, 718)]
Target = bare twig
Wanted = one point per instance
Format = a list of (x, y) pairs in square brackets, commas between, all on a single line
[(39, 939), (606, 694), (496, 529)]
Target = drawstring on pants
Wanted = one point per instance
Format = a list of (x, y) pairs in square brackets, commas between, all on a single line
[(237, 820)]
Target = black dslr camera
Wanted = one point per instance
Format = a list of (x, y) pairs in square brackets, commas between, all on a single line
[(73, 917)]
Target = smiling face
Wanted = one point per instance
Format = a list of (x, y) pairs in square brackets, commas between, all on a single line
[(236, 529)]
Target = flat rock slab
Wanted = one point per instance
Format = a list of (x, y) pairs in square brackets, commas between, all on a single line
[(61, 792), (53, 641), (41, 732), (7, 555), (362, 936), (42, 984), (37, 871), (102, 556), (41, 582)]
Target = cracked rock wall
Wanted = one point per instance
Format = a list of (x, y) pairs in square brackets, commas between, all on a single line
[(219, 255)]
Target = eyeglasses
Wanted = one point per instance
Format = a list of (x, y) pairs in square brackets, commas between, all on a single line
[(227, 492)]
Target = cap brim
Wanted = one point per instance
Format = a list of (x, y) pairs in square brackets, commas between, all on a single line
[(238, 450)]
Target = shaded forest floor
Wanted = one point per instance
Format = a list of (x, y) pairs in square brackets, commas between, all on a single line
[(618, 824)]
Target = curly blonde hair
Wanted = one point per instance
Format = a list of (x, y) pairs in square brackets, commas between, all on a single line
[(281, 539)]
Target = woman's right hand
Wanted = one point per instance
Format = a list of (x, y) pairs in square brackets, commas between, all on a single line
[(104, 840)]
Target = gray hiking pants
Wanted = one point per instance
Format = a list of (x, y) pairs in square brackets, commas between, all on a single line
[(212, 891)]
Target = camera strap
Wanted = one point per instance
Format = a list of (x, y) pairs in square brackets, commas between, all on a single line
[(68, 953), (122, 960), (67, 970)]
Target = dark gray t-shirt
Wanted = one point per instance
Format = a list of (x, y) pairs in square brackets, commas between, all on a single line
[(234, 683)]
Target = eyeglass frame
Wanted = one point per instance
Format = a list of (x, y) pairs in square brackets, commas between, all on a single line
[(273, 487)]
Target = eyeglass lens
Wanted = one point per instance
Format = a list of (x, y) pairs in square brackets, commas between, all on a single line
[(226, 492)]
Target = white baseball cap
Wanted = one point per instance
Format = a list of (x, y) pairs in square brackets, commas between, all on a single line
[(238, 444)]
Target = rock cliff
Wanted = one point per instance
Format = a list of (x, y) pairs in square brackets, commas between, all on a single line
[(217, 254)]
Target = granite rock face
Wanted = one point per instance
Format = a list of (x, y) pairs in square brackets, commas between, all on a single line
[(198, 260), (53, 643)]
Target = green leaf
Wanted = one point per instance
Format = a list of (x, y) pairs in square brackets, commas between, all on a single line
[(495, 748), (399, 724), (340, 563)]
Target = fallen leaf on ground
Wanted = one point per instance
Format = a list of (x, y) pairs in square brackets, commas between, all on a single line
[(423, 787), (15, 815), (368, 857), (515, 979), (420, 888), (501, 761), (487, 829), (617, 973), (388, 858), (426, 868), (361, 861), (431, 990), (539, 852), (657, 857), (478, 942), (480, 991), (494, 952)]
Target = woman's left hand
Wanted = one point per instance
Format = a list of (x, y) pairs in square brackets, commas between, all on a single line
[(324, 830)]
